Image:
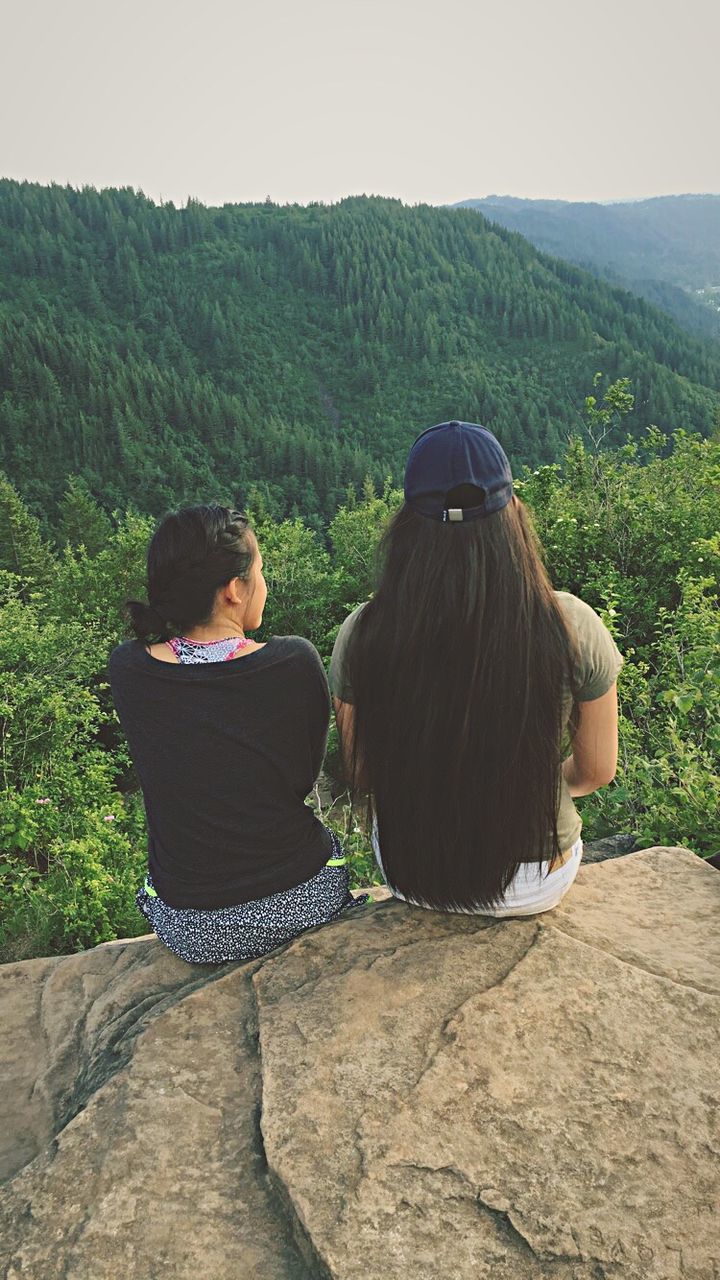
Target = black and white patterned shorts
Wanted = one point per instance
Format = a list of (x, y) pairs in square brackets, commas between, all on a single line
[(251, 929)]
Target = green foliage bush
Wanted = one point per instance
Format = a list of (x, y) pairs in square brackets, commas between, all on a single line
[(71, 853), (635, 531), (635, 534)]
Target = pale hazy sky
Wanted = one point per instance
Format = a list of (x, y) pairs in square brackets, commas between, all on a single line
[(227, 100)]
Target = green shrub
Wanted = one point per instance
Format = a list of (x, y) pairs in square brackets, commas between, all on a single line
[(632, 531), (71, 856)]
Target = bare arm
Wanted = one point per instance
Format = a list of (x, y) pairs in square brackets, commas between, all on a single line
[(595, 746)]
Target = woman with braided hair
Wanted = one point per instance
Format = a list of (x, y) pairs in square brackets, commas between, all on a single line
[(227, 736)]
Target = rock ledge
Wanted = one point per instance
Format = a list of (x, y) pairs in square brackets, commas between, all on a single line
[(403, 1093)]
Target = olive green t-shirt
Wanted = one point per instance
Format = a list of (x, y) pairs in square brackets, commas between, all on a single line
[(597, 670)]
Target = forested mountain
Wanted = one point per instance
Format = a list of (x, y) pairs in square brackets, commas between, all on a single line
[(666, 249), (278, 354)]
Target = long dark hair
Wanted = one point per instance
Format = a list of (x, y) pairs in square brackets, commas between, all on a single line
[(192, 553), (459, 667)]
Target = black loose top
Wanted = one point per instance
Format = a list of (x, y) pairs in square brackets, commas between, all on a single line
[(226, 753)]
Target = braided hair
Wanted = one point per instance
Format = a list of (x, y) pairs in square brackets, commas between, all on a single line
[(192, 553)]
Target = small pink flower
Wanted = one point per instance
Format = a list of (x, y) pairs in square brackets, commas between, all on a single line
[(109, 817), (45, 800)]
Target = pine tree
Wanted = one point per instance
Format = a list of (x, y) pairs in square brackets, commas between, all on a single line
[(22, 548), (82, 522)]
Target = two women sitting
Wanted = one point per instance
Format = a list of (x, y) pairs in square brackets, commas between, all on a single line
[(456, 688)]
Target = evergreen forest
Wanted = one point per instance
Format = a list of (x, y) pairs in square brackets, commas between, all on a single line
[(666, 249), (283, 353)]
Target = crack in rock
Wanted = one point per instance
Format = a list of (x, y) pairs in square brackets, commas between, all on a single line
[(557, 927), (277, 1191), (103, 1061), (442, 1036)]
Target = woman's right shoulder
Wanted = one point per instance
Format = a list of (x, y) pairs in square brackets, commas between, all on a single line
[(300, 661), (582, 615), (294, 644), (599, 659), (296, 650)]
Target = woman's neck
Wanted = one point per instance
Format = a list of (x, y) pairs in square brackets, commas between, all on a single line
[(216, 629)]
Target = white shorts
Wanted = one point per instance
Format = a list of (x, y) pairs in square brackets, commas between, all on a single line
[(531, 890)]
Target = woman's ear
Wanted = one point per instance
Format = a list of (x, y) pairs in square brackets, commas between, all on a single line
[(234, 591)]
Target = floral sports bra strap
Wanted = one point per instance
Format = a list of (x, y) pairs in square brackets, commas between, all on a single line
[(188, 651)]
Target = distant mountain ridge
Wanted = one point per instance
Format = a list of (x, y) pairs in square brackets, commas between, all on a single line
[(666, 248), (277, 354)]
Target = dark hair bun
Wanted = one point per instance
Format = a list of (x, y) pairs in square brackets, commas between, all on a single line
[(146, 621)]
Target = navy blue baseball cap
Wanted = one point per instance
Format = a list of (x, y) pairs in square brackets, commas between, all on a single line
[(453, 454)]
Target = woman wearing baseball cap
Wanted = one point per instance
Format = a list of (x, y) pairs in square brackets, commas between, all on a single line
[(473, 701)]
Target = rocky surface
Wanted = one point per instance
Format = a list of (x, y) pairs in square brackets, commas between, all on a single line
[(400, 1094), (610, 847)]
